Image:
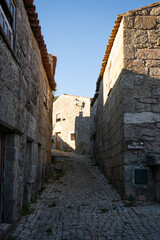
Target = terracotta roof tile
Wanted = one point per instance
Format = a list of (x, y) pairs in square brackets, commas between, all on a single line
[(36, 28)]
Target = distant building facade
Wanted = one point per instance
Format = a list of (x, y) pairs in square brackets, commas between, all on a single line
[(26, 85), (71, 124), (126, 105)]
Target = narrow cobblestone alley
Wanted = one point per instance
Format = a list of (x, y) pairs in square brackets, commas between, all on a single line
[(83, 205)]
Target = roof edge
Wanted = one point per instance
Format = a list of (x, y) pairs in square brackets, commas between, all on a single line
[(36, 29), (107, 54), (110, 45)]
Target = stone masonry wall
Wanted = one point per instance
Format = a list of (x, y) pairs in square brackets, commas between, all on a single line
[(142, 100), (114, 65), (109, 117), (127, 142), (74, 119), (97, 116), (25, 116)]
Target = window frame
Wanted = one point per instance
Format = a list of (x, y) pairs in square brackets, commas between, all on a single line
[(7, 28), (59, 119), (45, 92), (72, 134)]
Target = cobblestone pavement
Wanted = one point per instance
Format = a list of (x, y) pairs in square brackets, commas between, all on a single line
[(83, 205)]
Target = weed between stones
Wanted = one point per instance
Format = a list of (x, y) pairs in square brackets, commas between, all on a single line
[(59, 173), (53, 204), (26, 209), (104, 210), (49, 231)]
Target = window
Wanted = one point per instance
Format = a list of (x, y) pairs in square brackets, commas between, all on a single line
[(73, 136), (45, 91), (141, 176), (7, 20), (58, 117)]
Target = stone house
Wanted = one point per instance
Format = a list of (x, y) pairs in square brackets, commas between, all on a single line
[(71, 124), (26, 85), (126, 105)]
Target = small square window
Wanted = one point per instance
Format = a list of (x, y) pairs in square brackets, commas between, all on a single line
[(141, 176), (73, 136), (58, 117)]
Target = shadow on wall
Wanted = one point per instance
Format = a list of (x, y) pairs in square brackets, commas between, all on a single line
[(129, 135), (59, 144), (81, 137), (82, 130)]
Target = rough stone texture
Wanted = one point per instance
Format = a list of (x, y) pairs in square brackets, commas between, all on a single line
[(25, 117), (75, 118), (87, 208), (129, 126), (145, 22)]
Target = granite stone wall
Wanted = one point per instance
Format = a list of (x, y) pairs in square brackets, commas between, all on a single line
[(75, 119), (127, 141), (142, 100), (25, 117)]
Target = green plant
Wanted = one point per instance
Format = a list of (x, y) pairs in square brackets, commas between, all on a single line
[(26, 210), (110, 181), (104, 210), (59, 173), (114, 207), (49, 230), (70, 207), (57, 191), (115, 200), (55, 98), (131, 198), (34, 199), (95, 163), (11, 237), (53, 204)]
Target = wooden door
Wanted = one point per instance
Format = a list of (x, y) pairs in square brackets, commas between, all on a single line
[(58, 140), (1, 176)]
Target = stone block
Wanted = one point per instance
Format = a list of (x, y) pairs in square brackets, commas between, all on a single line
[(152, 63), (154, 72), (155, 11), (156, 92), (153, 35), (145, 22), (142, 198), (147, 100), (138, 80), (148, 54), (158, 125), (128, 21), (156, 108), (127, 81), (128, 35), (31, 173), (140, 36), (137, 66), (144, 117), (129, 51)]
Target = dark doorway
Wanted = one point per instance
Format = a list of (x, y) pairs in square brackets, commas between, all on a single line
[(1, 176), (58, 140)]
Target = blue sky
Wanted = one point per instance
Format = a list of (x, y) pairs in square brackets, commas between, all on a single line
[(77, 32)]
